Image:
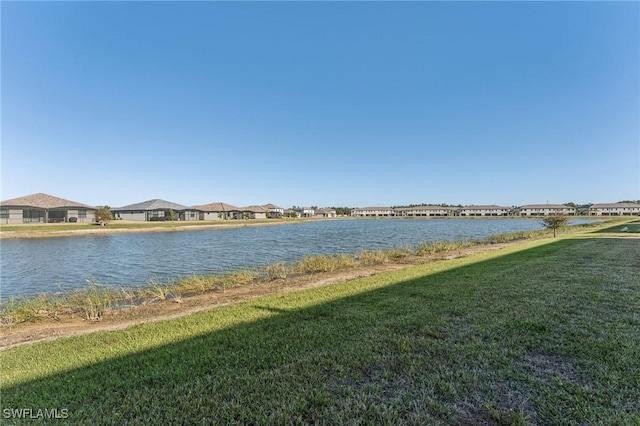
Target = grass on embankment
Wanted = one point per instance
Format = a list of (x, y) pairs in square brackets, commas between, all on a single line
[(546, 332)]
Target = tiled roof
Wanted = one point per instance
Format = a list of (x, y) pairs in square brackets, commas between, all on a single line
[(490, 207), (374, 208), (272, 207), (545, 206), (421, 208), (615, 205), (254, 209), (216, 207), (43, 201), (154, 204)]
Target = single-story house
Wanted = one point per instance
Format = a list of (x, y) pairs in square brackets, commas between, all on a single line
[(217, 211), (44, 208), (372, 211), (546, 210), (155, 210), (615, 209), (253, 212), (325, 212), (491, 210), (425, 211), (273, 211)]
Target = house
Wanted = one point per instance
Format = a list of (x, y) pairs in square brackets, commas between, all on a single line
[(425, 211), (290, 213), (253, 212), (545, 210), (615, 209), (491, 210), (155, 210), (305, 212), (273, 211), (217, 211), (372, 211), (44, 208), (325, 212)]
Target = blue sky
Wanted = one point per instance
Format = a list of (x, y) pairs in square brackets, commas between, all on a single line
[(321, 103)]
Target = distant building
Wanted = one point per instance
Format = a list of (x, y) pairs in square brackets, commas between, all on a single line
[(155, 210), (273, 211), (305, 212), (325, 212), (615, 209), (372, 212), (545, 210), (290, 213), (253, 212), (425, 211), (491, 210), (216, 211), (45, 208)]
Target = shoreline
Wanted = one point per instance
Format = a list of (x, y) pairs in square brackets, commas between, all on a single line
[(132, 227), (142, 228)]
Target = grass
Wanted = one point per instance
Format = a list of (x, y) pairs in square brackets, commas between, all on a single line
[(545, 332), (624, 228)]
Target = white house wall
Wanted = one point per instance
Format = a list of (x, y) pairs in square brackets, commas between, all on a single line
[(137, 216), (618, 211), (483, 213), (213, 216)]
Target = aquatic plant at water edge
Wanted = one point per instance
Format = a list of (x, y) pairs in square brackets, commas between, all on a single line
[(93, 301), (276, 271)]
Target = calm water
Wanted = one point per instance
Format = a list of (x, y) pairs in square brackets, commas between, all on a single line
[(33, 266)]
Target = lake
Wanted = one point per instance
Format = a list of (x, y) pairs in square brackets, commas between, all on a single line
[(49, 265)]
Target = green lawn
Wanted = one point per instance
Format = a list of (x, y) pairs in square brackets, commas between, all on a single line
[(624, 228), (547, 332)]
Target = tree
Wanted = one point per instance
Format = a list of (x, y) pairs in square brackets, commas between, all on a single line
[(342, 211), (103, 215), (555, 222), (172, 215)]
